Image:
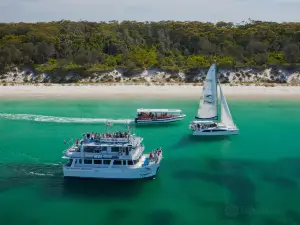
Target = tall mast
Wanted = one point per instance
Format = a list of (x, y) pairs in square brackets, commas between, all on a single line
[(128, 129), (107, 124), (217, 82)]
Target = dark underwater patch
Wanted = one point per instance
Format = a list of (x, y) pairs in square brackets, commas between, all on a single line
[(241, 188), (270, 221), (280, 181), (117, 216), (162, 216)]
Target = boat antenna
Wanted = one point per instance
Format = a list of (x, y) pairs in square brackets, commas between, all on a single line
[(128, 129), (108, 123)]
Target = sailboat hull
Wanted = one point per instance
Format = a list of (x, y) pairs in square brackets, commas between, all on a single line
[(216, 133), (219, 130)]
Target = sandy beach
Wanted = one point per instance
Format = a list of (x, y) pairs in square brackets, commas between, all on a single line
[(143, 91)]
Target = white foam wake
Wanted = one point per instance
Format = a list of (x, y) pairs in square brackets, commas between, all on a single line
[(54, 119)]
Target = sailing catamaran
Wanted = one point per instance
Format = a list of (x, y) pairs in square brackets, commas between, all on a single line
[(205, 123)]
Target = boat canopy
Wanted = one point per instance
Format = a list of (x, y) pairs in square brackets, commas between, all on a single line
[(158, 111)]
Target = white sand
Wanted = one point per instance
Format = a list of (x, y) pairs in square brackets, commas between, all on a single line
[(142, 92)]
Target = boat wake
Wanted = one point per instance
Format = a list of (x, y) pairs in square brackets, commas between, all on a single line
[(54, 119)]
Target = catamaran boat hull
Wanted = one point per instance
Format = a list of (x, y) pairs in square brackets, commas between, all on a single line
[(216, 132), (212, 129), (148, 172), (160, 121)]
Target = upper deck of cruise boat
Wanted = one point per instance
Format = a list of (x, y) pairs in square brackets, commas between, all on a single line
[(118, 144), (109, 139)]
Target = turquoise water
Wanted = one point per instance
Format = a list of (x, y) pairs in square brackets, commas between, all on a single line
[(252, 178)]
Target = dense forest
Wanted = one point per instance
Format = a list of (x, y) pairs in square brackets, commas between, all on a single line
[(134, 46)]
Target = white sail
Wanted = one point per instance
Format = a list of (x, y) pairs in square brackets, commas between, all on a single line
[(208, 106), (225, 112)]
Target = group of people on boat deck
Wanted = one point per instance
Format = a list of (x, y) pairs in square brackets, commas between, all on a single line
[(153, 115), (98, 136), (154, 155), (205, 126)]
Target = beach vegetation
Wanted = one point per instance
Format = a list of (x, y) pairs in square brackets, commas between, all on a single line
[(132, 46)]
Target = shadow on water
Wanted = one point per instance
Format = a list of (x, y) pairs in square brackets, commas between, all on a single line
[(17, 175), (209, 138), (50, 183), (190, 139), (157, 125), (102, 189)]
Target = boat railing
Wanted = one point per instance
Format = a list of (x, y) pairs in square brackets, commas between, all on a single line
[(125, 140)]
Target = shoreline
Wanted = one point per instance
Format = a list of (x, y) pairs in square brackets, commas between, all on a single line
[(125, 91)]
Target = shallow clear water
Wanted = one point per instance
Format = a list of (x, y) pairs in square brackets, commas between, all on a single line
[(252, 178)]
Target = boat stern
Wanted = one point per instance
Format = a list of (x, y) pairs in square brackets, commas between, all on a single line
[(152, 163), (192, 127), (182, 115)]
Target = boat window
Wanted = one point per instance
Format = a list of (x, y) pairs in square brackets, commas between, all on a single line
[(88, 161), (79, 161), (135, 162), (115, 149), (97, 149), (88, 148), (106, 162), (76, 149), (96, 161), (217, 130), (92, 149), (206, 131), (124, 163), (117, 162), (130, 163), (104, 148), (69, 163)]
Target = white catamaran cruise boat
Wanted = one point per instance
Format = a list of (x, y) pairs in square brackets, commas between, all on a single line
[(111, 156), (155, 116), (205, 123)]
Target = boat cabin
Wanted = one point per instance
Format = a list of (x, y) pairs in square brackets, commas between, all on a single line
[(204, 124), (107, 163)]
